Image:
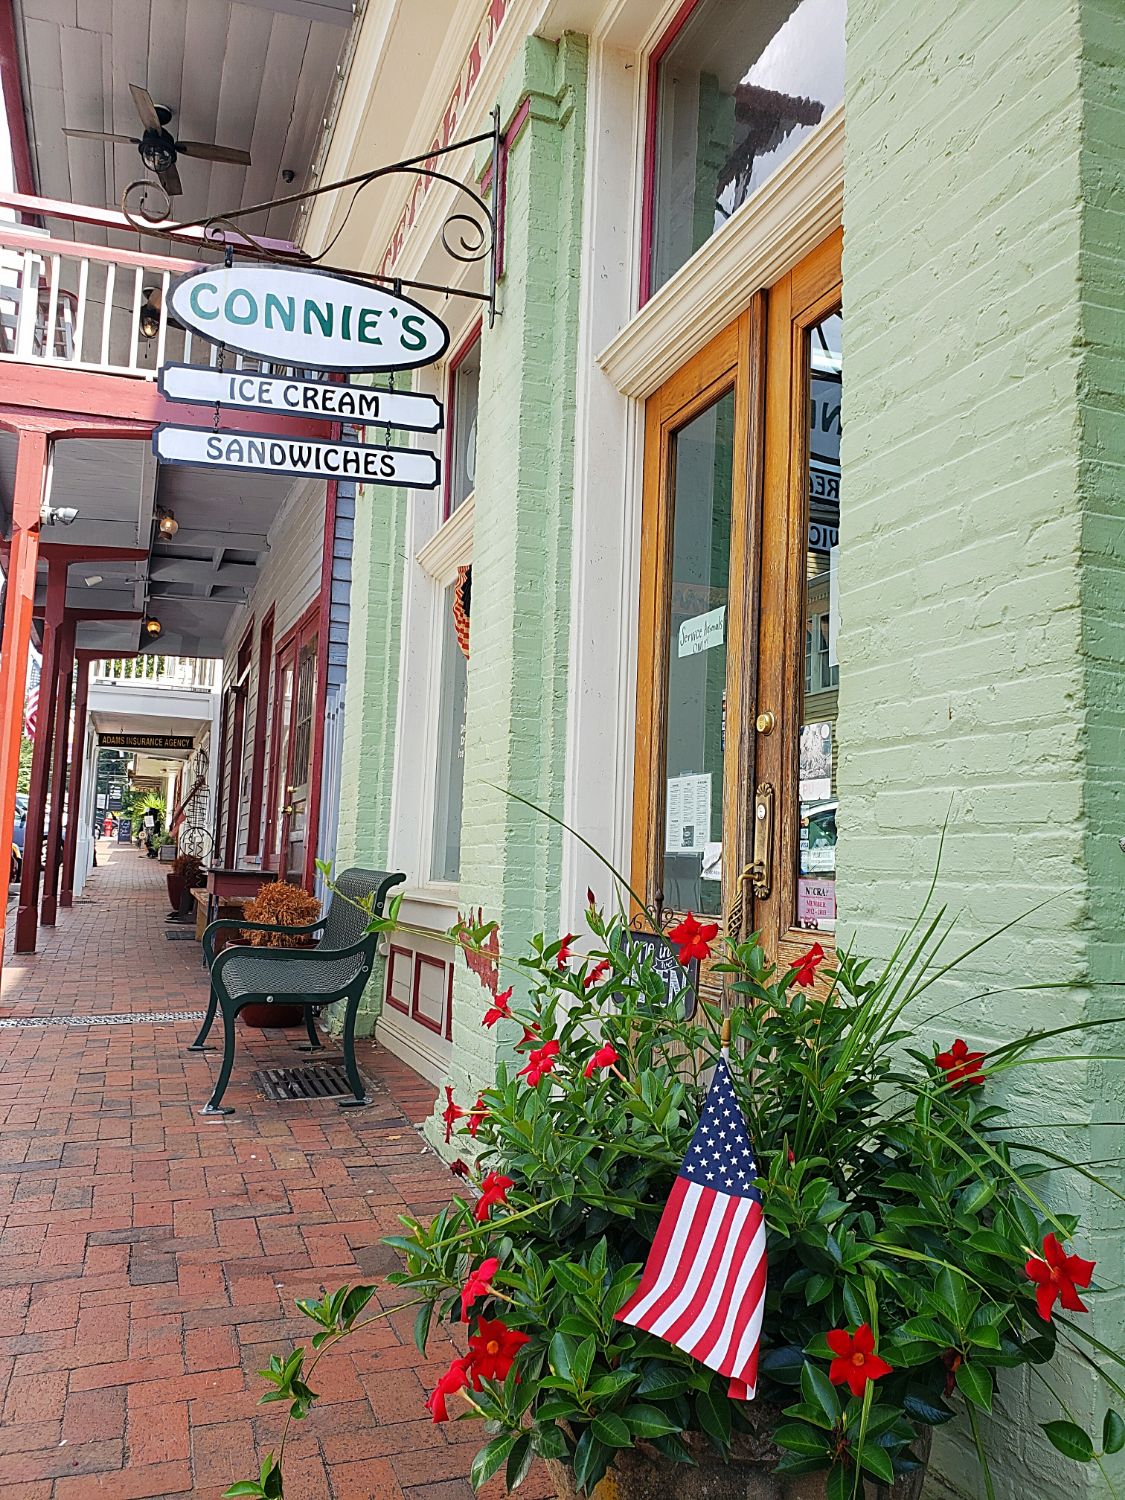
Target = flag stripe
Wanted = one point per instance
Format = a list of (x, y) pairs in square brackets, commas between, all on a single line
[(714, 1339), (710, 1284), (673, 1229)]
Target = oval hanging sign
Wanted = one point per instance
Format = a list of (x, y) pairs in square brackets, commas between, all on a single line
[(313, 319)]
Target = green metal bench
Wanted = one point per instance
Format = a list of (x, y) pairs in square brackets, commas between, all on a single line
[(337, 968)]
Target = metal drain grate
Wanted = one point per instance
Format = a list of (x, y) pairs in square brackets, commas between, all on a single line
[(180, 937), (143, 1017), (320, 1080)]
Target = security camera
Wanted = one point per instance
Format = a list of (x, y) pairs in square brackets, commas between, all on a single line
[(63, 515)]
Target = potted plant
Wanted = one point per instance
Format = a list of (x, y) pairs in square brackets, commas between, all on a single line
[(167, 850), (186, 874), (911, 1257), (283, 905)]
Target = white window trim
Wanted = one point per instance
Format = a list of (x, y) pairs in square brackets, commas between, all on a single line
[(451, 545)]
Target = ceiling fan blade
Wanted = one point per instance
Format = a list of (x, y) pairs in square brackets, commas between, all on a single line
[(145, 107), (102, 135), (170, 181), (208, 152)]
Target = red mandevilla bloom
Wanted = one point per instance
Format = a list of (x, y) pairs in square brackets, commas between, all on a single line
[(597, 974), (499, 1009), (450, 1114), (565, 950), (693, 938), (540, 1063), (459, 1168), (960, 1066), (492, 1349), (530, 1034), (604, 1057), (806, 966), (456, 1378), (591, 899), (477, 1116), (856, 1361), (493, 1190), (479, 1284), (1057, 1276)]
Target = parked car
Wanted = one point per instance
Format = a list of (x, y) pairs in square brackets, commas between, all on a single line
[(19, 826)]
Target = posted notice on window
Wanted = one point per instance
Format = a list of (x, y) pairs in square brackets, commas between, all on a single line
[(702, 632), (687, 828)]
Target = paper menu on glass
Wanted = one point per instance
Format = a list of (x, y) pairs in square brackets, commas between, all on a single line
[(687, 825)]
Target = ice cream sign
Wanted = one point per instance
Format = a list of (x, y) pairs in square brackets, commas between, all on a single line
[(312, 319)]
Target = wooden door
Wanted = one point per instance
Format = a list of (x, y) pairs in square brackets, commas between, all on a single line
[(298, 687), (729, 582)]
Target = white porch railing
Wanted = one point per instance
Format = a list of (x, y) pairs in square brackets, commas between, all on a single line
[(76, 306), (158, 671)]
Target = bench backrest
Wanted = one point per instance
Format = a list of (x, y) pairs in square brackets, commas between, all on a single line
[(347, 917)]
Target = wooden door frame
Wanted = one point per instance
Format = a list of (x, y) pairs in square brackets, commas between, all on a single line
[(310, 621), (238, 693)]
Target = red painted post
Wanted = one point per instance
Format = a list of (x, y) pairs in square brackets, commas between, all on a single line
[(27, 911), (19, 600), (77, 766), (63, 693)]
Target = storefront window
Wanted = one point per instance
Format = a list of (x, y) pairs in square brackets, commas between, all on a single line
[(445, 863), (819, 749), (697, 661), (737, 89), (464, 394)]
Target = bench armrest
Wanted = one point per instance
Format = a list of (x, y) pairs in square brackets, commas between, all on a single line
[(229, 922)]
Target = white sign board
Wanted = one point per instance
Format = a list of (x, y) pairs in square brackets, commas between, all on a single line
[(312, 319), (300, 398), (410, 468), (687, 826), (702, 632)]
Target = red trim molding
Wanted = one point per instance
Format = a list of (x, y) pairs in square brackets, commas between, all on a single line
[(12, 85), (648, 178), (261, 715), (456, 360), (407, 953), (238, 725), (438, 1027)]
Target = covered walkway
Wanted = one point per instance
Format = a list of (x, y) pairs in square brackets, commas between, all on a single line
[(150, 1258)]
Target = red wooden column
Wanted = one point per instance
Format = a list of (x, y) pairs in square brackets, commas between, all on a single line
[(77, 767), (63, 692), (19, 600), (26, 912)]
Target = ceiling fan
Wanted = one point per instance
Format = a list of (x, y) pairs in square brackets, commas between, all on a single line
[(158, 148)]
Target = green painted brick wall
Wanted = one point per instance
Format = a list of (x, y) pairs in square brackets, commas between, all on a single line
[(981, 568), (516, 726)]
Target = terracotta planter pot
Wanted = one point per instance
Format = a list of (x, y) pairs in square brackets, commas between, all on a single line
[(748, 1474), (175, 889)]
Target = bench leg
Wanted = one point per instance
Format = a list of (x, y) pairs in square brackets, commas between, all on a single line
[(208, 1021), (315, 1044), (213, 1105), (348, 1040)]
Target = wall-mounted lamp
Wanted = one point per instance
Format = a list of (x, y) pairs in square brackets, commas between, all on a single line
[(166, 523), (148, 320), (61, 515), (152, 629)]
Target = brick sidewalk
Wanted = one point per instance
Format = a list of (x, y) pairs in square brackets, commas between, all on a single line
[(149, 1258)]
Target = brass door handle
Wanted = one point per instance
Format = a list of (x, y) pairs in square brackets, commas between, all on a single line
[(761, 870), (736, 912), (289, 809)]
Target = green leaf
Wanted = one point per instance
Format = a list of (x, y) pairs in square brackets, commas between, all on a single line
[(975, 1196), (519, 1462), (590, 1460), (611, 1430), (875, 1460), (583, 1362), (490, 1458), (976, 1385), (422, 1321), (648, 1421), (1070, 1440), (927, 1329), (818, 1390), (660, 1381), (1113, 1433), (714, 1417), (840, 1484), (795, 1437), (548, 1440), (929, 1413), (954, 1289), (560, 1356), (245, 1487)]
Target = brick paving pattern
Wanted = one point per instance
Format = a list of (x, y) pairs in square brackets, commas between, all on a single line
[(150, 1258)]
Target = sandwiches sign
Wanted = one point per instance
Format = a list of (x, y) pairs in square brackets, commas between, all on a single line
[(308, 318)]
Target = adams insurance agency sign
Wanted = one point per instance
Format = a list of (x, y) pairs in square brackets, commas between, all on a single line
[(308, 318)]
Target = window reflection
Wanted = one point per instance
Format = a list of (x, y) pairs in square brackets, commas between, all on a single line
[(737, 90), (819, 749)]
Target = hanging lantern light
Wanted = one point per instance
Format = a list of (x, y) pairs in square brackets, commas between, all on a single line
[(166, 523), (153, 629)]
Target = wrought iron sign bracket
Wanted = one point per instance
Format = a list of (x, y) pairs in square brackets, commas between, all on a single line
[(469, 233)]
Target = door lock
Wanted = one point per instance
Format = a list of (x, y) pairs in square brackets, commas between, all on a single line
[(761, 869), (766, 722)]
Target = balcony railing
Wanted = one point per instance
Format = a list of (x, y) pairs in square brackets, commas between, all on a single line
[(183, 672), (78, 306)]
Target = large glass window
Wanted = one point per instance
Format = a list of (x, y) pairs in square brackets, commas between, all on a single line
[(819, 750), (464, 395), (737, 89), (445, 863)]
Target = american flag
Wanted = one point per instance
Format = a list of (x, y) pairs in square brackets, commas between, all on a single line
[(703, 1287)]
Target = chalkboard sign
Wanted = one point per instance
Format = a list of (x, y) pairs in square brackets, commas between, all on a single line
[(116, 797), (124, 830), (659, 951)]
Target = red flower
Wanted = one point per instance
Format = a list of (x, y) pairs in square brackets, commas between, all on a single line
[(456, 1378), (960, 1066), (493, 1190), (540, 1063), (806, 966), (492, 1349), (693, 938), (597, 973), (604, 1057), (459, 1168), (530, 1034), (952, 1361), (1057, 1276), (564, 951), (499, 1009), (479, 1284), (450, 1114), (477, 1116), (591, 899), (856, 1361)]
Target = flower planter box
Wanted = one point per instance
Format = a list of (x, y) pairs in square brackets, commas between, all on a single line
[(166, 853)]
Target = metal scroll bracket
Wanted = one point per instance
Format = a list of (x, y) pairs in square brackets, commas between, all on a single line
[(469, 234)]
